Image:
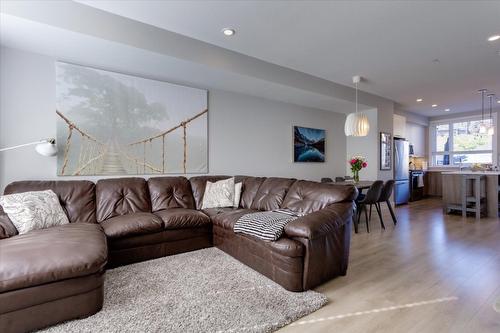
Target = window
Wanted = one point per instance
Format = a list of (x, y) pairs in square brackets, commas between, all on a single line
[(457, 141)]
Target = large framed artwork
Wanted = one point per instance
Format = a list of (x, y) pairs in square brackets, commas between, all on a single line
[(115, 124), (385, 151), (308, 144)]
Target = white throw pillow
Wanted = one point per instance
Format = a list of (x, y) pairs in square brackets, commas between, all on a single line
[(33, 210), (237, 194), (219, 194)]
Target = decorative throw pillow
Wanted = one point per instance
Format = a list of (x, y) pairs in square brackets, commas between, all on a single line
[(33, 210), (237, 194), (219, 194)]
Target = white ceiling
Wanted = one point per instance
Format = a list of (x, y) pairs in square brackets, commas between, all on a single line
[(390, 43), (82, 49)]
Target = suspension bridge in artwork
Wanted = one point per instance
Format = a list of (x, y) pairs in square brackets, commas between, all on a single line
[(98, 158)]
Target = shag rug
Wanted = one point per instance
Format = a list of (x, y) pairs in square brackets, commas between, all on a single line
[(200, 291)]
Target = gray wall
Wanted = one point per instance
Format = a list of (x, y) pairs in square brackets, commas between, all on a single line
[(247, 135), (367, 147)]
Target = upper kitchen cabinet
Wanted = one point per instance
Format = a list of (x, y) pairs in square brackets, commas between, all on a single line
[(399, 126)]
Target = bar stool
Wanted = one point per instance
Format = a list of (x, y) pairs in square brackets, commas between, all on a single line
[(472, 199)]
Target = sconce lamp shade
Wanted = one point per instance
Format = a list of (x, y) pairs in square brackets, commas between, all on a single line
[(356, 124), (46, 149)]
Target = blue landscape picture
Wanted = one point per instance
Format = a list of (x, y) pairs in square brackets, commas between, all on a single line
[(308, 144)]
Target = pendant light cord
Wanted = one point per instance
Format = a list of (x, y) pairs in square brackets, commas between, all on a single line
[(482, 106), (491, 107), (356, 97)]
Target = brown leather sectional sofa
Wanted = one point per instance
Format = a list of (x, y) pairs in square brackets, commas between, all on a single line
[(56, 274)]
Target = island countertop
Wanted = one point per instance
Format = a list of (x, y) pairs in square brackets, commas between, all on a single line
[(469, 172)]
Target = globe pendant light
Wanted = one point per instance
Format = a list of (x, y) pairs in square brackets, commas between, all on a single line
[(356, 124), (491, 127)]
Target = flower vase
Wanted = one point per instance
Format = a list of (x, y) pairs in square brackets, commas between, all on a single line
[(355, 176)]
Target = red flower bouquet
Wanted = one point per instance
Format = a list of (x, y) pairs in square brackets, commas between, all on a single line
[(357, 163)]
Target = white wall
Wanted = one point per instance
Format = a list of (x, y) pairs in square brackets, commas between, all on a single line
[(365, 146), (247, 135)]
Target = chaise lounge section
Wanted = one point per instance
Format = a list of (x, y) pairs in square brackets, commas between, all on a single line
[(57, 274)]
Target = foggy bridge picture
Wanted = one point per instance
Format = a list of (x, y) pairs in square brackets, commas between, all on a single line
[(115, 124)]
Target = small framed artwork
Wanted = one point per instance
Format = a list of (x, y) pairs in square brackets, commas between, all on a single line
[(385, 151), (308, 144)]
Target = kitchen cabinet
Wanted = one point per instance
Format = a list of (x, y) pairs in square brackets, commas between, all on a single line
[(433, 181), (399, 126)]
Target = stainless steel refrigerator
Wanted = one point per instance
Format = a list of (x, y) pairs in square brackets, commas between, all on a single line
[(401, 172)]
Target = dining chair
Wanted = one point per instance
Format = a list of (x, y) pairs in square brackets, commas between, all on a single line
[(385, 195), (339, 179), (370, 198), (326, 180)]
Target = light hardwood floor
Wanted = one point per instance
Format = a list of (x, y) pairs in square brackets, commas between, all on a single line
[(450, 263)]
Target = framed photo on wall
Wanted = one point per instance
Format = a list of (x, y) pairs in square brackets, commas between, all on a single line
[(385, 151), (308, 144), (117, 124)]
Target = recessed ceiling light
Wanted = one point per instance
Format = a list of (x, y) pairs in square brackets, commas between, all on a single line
[(498, 101), (446, 110), (493, 38), (419, 100), (434, 105), (228, 31)]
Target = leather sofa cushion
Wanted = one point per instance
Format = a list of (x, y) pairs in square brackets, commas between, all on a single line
[(249, 190), (170, 192), (178, 218), (198, 185), (132, 225), (77, 197), (219, 210), (52, 254), (121, 196), (307, 197), (228, 219), (271, 193)]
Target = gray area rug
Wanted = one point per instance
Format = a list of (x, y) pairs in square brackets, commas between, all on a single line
[(201, 291)]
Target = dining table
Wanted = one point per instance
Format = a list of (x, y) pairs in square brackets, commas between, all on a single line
[(361, 185)]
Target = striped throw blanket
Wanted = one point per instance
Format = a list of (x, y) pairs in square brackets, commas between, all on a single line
[(267, 225)]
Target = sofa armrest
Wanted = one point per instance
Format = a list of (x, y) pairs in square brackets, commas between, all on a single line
[(321, 222)]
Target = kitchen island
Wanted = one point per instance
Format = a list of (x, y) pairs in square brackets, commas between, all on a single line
[(452, 189)]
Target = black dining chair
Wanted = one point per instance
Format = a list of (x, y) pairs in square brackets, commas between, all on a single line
[(370, 198), (339, 179), (385, 195), (326, 180)]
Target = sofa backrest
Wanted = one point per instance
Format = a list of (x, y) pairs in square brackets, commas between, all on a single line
[(77, 197), (249, 190), (271, 193), (170, 192), (121, 196), (307, 196), (84, 201), (7, 229)]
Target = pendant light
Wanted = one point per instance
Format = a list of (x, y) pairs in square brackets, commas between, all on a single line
[(356, 124), (491, 127), (483, 129)]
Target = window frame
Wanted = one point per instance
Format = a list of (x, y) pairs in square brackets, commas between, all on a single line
[(451, 153)]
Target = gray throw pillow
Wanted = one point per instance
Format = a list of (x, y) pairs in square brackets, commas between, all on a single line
[(219, 194), (33, 210)]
